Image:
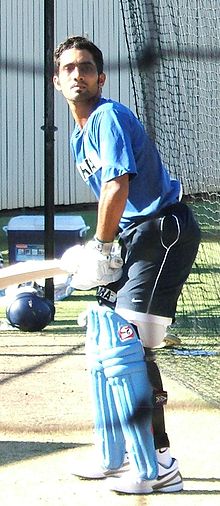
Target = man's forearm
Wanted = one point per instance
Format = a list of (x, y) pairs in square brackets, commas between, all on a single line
[(112, 202)]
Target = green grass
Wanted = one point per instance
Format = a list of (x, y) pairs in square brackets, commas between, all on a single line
[(208, 216)]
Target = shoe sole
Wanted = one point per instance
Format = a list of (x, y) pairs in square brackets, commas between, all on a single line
[(101, 476), (176, 486)]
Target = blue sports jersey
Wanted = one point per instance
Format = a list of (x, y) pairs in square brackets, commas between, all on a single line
[(114, 142)]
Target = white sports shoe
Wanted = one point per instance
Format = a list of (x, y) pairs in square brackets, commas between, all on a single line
[(92, 472), (168, 480)]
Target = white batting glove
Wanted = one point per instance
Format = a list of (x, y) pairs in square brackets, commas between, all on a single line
[(94, 264)]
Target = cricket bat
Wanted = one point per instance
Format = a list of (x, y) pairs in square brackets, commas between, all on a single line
[(30, 270)]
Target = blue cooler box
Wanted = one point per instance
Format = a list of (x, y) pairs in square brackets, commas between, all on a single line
[(26, 236)]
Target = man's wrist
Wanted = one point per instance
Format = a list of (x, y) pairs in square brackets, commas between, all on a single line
[(103, 246)]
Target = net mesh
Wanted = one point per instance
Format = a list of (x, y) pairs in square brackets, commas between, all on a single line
[(178, 99)]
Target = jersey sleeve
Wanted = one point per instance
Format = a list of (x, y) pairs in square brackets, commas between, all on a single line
[(115, 145)]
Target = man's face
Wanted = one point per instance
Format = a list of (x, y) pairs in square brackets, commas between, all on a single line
[(78, 78)]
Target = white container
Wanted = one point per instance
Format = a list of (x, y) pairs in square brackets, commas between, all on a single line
[(26, 236)]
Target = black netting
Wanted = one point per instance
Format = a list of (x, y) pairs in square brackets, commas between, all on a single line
[(177, 96)]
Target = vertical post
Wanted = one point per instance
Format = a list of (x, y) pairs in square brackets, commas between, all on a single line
[(49, 139)]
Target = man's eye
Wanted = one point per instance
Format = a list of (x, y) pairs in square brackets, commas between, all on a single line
[(87, 68)]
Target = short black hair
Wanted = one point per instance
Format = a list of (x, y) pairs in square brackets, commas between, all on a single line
[(79, 42)]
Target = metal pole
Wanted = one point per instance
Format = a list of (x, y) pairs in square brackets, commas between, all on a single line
[(49, 129)]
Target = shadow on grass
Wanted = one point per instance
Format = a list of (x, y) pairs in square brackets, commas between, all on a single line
[(16, 451), (205, 482), (60, 327), (77, 297), (40, 365)]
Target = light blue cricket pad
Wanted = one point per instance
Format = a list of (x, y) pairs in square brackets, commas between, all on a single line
[(110, 441), (122, 390)]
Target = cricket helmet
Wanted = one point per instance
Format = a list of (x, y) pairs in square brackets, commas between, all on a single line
[(29, 312)]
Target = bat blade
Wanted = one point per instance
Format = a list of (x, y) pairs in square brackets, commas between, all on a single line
[(30, 271)]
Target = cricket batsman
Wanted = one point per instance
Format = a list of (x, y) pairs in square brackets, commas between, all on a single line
[(139, 207)]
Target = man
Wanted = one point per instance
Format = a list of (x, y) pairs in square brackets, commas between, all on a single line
[(139, 201)]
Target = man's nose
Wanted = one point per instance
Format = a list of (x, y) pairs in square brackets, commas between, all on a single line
[(76, 73)]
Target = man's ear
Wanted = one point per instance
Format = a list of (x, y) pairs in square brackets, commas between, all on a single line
[(56, 82), (101, 79)]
